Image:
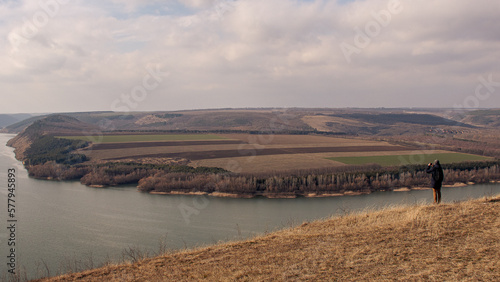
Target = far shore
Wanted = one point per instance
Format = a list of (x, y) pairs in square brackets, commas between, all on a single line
[(309, 195), (286, 195)]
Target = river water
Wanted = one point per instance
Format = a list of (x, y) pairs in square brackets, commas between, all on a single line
[(64, 226)]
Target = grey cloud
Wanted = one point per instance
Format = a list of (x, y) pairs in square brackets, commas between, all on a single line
[(258, 53)]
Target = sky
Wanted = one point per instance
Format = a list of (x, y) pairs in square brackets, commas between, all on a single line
[(152, 55)]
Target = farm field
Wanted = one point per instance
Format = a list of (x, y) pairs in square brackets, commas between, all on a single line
[(423, 158), (260, 153), (251, 153), (145, 137), (288, 162), (247, 153)]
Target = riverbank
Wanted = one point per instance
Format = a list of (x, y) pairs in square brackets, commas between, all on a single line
[(308, 184), (250, 196), (456, 241), (310, 195)]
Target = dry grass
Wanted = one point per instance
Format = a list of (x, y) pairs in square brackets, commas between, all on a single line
[(451, 242), (320, 122)]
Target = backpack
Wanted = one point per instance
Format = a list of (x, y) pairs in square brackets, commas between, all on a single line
[(438, 175)]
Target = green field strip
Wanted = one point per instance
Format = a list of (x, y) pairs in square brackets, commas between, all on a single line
[(146, 138), (395, 160)]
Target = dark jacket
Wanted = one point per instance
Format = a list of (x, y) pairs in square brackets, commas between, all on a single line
[(437, 175)]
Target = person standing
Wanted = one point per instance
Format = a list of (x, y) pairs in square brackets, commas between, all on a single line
[(437, 179)]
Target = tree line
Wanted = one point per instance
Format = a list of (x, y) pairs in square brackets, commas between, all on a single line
[(111, 173), (306, 183)]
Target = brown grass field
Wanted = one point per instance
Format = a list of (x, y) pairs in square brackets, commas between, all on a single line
[(320, 122), (447, 242)]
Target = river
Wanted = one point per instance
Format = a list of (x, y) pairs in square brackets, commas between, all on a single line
[(63, 226)]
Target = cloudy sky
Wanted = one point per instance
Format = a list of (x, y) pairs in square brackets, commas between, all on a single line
[(135, 55)]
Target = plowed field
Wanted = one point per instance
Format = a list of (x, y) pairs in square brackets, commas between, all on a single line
[(202, 155), (247, 153), (258, 153)]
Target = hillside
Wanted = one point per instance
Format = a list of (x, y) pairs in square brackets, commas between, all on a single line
[(200, 120), (19, 125), (451, 242), (490, 118), (8, 119), (296, 120), (52, 124)]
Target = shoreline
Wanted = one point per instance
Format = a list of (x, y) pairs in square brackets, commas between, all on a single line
[(309, 195), (284, 195), (276, 195), (279, 195)]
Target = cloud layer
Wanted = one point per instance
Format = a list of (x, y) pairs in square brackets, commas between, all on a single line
[(60, 55)]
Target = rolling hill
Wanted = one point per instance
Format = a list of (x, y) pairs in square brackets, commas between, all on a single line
[(9, 119), (52, 124), (295, 120)]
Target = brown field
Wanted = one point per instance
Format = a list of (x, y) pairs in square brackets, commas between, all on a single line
[(131, 145), (247, 153), (217, 154), (447, 242), (251, 153), (293, 162)]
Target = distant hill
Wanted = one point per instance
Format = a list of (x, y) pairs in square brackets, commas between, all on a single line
[(489, 118), (391, 119), (21, 125), (206, 120), (52, 124), (384, 122), (8, 119), (294, 120)]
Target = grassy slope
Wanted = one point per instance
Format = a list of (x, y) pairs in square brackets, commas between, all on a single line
[(457, 241)]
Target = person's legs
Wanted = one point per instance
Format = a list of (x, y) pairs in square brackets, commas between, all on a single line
[(435, 194), (438, 195)]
